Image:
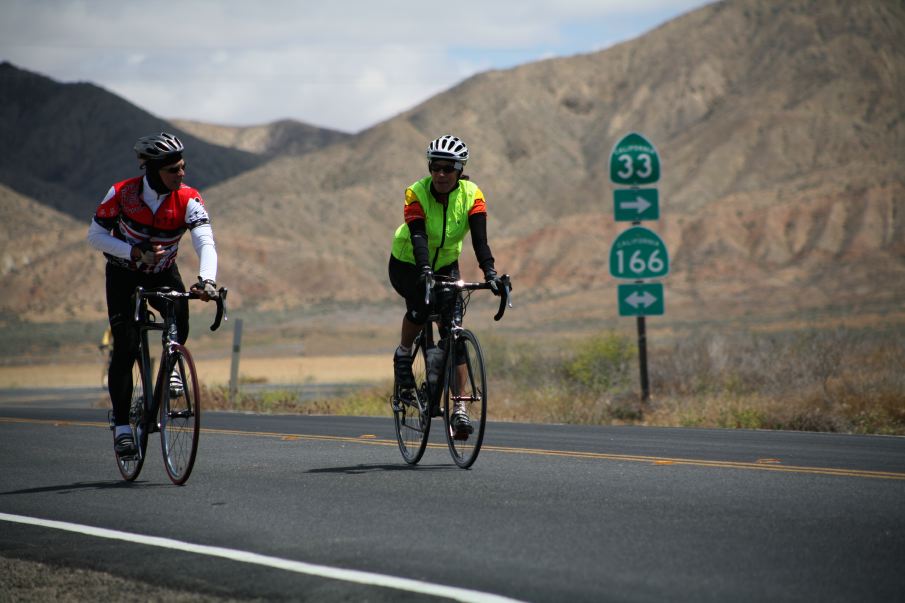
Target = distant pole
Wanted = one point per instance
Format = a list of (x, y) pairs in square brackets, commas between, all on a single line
[(642, 360), (234, 368)]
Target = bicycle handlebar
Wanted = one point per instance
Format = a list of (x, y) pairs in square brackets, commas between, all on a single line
[(170, 294), (221, 308), (505, 296)]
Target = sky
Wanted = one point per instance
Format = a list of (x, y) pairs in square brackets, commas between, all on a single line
[(340, 64)]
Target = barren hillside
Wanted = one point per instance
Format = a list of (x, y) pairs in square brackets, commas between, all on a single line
[(781, 131), (284, 137), (72, 141)]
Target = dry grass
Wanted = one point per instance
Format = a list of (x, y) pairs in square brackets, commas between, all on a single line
[(372, 400), (840, 380), (273, 369), (836, 379)]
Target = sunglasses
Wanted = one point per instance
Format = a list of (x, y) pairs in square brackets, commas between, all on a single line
[(442, 169), (175, 169)]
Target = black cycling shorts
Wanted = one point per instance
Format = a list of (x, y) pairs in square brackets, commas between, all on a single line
[(405, 280)]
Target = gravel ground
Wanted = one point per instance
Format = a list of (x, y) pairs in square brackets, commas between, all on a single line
[(31, 582)]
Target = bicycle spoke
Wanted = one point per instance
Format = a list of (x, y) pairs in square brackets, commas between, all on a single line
[(130, 465), (411, 410), (180, 416), (466, 393)]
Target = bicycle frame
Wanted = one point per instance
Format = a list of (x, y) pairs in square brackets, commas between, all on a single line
[(461, 383), (449, 293), (158, 404), (145, 322)]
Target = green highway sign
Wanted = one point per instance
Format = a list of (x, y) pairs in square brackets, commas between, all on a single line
[(636, 204), (638, 253), (641, 299), (634, 161)]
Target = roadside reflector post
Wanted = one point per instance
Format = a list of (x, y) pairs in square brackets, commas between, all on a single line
[(234, 366)]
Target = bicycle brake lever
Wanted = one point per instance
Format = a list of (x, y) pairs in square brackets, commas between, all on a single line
[(138, 292), (505, 298), (221, 309), (428, 283)]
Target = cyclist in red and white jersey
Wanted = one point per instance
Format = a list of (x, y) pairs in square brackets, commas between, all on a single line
[(138, 226)]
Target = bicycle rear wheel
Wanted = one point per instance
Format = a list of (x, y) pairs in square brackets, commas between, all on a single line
[(130, 465), (180, 415), (465, 390), (411, 409)]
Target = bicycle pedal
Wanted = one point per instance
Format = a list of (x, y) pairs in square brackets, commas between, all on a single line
[(460, 436)]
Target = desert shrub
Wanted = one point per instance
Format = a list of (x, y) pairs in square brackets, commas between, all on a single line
[(840, 379), (369, 401), (587, 382), (601, 364)]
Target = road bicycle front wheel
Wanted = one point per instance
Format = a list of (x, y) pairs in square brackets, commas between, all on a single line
[(130, 465), (411, 409), (465, 395), (180, 414)]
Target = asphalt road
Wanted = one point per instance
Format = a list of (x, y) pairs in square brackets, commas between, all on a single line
[(324, 509)]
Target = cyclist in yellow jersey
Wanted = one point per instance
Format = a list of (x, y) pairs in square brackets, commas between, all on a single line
[(440, 210), (106, 339)]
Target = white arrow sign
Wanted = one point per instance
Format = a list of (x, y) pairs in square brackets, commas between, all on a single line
[(635, 300), (639, 204)]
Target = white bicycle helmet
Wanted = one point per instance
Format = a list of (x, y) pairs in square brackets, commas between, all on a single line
[(157, 146), (448, 147)]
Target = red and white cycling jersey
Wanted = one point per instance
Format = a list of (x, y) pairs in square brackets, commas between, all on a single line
[(129, 212)]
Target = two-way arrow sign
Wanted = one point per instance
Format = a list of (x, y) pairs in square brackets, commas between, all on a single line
[(641, 299)]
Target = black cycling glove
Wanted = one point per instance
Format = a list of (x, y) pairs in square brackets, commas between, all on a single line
[(496, 284)]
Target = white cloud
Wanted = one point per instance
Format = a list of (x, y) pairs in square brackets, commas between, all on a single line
[(342, 64)]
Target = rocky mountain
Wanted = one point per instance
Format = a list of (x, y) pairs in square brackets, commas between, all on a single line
[(45, 272), (283, 137), (67, 143), (780, 126)]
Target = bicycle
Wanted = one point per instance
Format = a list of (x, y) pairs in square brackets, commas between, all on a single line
[(177, 405), (452, 373)]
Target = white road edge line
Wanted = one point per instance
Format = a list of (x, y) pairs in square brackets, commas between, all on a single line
[(323, 571)]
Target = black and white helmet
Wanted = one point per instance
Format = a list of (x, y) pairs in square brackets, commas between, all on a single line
[(157, 146), (448, 147)]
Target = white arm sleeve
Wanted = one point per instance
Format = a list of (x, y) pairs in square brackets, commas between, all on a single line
[(203, 241), (102, 240)]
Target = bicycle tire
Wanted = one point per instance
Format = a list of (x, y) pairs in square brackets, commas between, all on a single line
[(180, 415), (471, 391), (411, 409), (130, 466)]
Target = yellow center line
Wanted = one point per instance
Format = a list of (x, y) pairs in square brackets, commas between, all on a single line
[(371, 440)]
